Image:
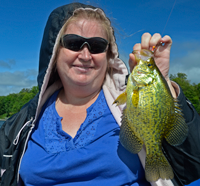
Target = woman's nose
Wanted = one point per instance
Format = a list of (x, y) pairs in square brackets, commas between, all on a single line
[(85, 53)]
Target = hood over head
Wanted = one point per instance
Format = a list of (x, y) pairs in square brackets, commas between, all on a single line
[(55, 22), (48, 82)]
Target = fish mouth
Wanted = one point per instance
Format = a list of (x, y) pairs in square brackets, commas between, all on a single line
[(143, 54)]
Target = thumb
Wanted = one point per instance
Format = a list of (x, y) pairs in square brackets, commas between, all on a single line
[(132, 61)]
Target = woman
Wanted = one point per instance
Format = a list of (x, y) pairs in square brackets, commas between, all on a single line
[(74, 136)]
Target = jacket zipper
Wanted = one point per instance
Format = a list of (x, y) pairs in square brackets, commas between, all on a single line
[(24, 149), (16, 140)]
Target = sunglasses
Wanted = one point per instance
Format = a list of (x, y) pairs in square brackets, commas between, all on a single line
[(75, 43)]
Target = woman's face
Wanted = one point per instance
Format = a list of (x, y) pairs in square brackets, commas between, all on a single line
[(83, 68)]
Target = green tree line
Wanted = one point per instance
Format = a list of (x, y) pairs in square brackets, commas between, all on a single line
[(12, 103), (191, 91)]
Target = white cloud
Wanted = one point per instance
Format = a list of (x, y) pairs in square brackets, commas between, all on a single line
[(188, 64), (186, 59), (7, 64), (14, 82)]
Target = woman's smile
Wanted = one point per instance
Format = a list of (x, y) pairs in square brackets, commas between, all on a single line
[(82, 68)]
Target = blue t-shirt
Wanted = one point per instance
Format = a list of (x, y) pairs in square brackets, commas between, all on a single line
[(93, 157)]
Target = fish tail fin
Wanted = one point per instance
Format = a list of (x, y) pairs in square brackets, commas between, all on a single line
[(157, 166)]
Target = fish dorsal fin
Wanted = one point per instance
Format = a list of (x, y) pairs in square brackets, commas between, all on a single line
[(179, 131)]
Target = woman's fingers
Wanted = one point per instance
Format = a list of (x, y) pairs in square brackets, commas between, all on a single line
[(145, 40)]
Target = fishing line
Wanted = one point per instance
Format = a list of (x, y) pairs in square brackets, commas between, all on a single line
[(160, 44), (135, 33), (169, 17)]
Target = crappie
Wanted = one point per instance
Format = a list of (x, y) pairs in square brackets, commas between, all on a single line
[(151, 114)]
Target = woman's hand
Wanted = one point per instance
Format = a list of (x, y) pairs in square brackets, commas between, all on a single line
[(161, 54)]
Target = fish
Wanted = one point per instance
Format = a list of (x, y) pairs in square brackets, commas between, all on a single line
[(150, 115)]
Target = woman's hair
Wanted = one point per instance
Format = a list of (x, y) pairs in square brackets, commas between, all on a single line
[(93, 15)]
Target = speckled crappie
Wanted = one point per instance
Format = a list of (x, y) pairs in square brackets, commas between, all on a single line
[(151, 114)]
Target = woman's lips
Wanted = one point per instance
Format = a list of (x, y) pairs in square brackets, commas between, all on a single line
[(83, 68)]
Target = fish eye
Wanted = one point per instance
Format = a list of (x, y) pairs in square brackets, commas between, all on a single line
[(150, 65)]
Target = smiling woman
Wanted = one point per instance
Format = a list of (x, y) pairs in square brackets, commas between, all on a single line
[(69, 133)]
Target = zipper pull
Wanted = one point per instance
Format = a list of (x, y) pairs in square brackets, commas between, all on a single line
[(16, 140)]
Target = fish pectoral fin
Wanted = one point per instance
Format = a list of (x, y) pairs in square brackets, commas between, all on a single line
[(127, 136), (157, 166), (135, 98), (179, 131), (121, 99)]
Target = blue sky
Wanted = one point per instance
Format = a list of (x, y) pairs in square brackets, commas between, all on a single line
[(22, 24), (23, 21)]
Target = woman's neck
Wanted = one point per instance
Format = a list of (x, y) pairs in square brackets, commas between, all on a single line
[(78, 99)]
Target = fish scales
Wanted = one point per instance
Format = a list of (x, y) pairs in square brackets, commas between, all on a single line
[(151, 114)]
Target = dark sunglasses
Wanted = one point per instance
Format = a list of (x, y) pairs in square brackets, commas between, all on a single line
[(75, 43)]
